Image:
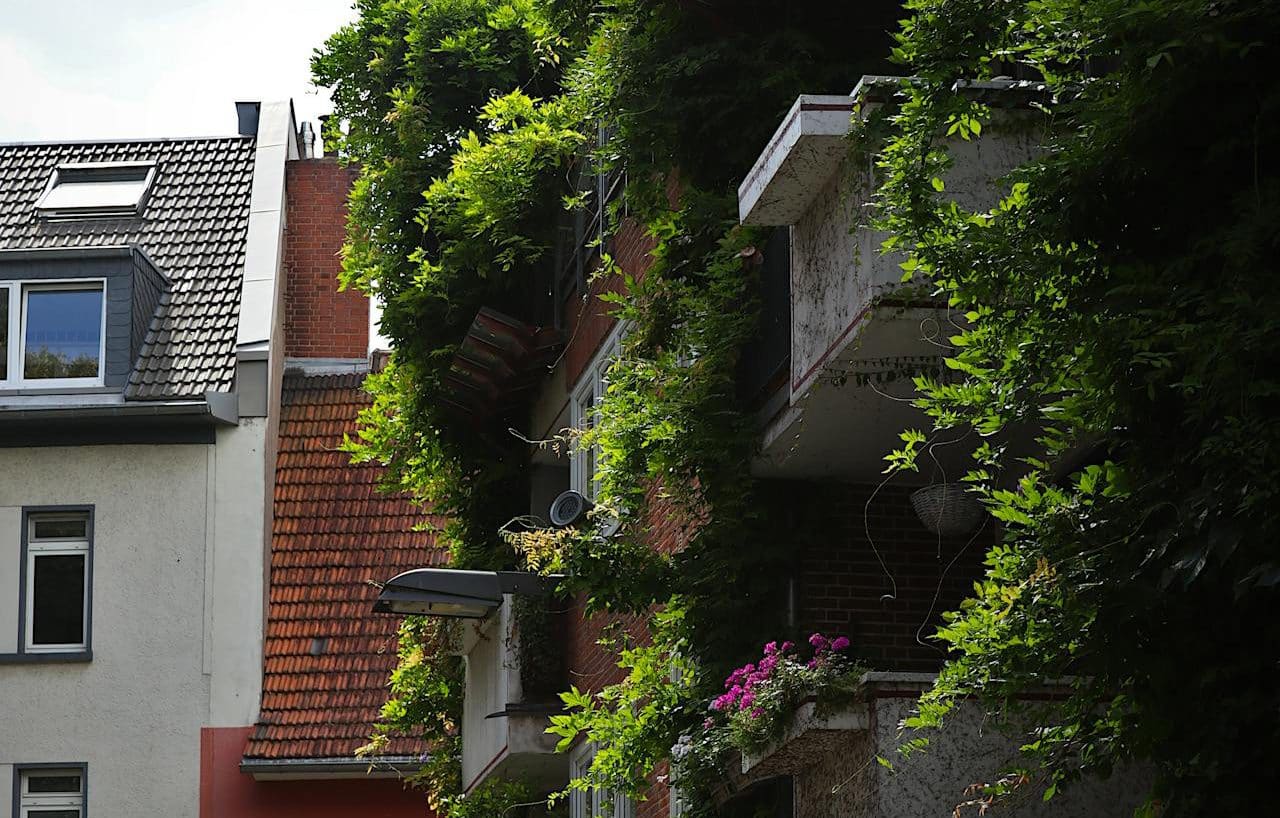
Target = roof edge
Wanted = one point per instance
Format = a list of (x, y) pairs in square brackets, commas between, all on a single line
[(282, 769), (124, 140)]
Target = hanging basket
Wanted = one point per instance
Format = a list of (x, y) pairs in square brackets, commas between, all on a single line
[(947, 509)]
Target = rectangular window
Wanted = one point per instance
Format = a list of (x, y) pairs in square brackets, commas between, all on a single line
[(57, 583), (51, 793), (95, 190), (4, 332), (594, 803), (584, 413), (51, 333)]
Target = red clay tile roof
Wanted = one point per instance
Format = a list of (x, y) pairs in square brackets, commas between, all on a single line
[(327, 657)]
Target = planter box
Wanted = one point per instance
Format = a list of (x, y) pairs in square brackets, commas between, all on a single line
[(810, 737)]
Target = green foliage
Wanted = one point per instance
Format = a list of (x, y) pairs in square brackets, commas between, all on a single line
[(426, 703), (501, 798), (1119, 300), (634, 721), (46, 363), (468, 119)]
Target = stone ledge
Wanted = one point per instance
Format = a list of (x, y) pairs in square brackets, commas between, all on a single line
[(809, 738)]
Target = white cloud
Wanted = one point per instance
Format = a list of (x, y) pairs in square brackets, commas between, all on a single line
[(76, 69)]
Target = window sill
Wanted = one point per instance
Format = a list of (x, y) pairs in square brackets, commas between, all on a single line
[(76, 656)]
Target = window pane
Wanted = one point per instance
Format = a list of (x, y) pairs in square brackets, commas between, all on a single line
[(113, 193), (53, 813), (62, 332), (53, 783), (4, 333), (57, 606), (59, 529)]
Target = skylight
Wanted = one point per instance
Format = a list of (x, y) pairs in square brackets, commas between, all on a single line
[(96, 190)]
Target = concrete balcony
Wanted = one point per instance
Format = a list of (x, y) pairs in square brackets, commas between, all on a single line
[(504, 720), (833, 762), (858, 335)]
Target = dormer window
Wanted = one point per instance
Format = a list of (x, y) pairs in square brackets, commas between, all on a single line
[(51, 333), (95, 190)]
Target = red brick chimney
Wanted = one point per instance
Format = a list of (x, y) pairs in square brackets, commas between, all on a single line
[(320, 322)]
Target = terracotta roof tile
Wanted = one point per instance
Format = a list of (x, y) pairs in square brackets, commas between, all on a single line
[(326, 656)]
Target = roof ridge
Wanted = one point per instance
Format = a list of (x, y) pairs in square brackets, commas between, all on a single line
[(125, 140)]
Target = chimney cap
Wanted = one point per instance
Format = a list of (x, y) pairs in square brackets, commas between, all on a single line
[(247, 114)]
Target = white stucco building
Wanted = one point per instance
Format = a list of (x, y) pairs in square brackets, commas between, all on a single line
[(141, 354)]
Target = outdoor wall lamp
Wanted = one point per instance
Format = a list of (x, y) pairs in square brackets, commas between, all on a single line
[(455, 593)]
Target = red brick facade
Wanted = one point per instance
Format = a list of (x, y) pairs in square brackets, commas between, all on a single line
[(588, 321), (320, 322), (842, 588)]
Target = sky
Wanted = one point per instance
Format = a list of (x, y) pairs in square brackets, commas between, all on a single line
[(84, 69)]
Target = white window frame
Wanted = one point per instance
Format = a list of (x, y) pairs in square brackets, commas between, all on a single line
[(89, 169), (594, 803), (56, 547), (37, 802), (16, 290), (584, 411)]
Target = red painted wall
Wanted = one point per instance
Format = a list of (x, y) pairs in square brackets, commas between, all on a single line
[(320, 322), (225, 792)]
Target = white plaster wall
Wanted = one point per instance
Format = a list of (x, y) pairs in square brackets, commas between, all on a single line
[(238, 572), (488, 690), (10, 559), (133, 713), (6, 788)]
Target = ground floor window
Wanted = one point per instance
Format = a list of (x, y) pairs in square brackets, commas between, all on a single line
[(594, 803), (49, 792)]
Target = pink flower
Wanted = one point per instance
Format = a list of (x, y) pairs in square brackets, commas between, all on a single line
[(747, 700), (708, 724), (770, 648), (818, 641), (786, 646), (840, 643), (757, 713), (813, 663)]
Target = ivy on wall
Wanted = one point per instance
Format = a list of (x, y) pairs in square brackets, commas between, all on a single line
[(467, 118)]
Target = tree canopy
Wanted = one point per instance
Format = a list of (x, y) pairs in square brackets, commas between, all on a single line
[(1119, 299)]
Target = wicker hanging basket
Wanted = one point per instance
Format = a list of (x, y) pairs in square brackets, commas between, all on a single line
[(947, 509)]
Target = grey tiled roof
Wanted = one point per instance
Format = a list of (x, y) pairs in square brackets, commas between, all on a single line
[(193, 227)]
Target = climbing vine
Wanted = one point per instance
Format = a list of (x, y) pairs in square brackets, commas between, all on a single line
[(469, 119), (1117, 304)]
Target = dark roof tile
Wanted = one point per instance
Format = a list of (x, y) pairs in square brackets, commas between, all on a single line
[(193, 227)]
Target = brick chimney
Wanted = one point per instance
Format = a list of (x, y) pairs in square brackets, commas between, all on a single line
[(320, 322)]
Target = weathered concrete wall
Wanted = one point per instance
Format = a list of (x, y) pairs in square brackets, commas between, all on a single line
[(837, 269), (971, 751)]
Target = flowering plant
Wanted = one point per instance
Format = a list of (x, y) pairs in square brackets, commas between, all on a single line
[(760, 698)]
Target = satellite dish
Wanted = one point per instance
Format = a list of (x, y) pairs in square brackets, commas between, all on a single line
[(570, 508)]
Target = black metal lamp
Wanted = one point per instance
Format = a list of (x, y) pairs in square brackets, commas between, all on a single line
[(454, 593)]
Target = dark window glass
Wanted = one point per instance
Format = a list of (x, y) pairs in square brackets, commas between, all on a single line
[(53, 783), (57, 605), (55, 529), (4, 333), (62, 331), (54, 813)]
